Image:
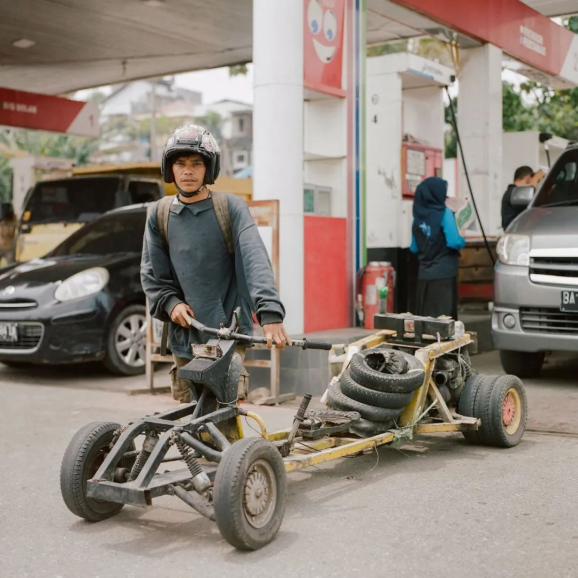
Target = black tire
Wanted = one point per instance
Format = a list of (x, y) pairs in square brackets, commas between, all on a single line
[(407, 382), (365, 428), (133, 363), (501, 405), (82, 458), (522, 364), (358, 392), (338, 400), (496, 430), (245, 464), (467, 402)]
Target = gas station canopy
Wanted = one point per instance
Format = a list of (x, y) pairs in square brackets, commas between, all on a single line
[(58, 46)]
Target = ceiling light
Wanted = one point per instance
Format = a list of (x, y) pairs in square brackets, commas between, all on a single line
[(153, 3), (23, 43)]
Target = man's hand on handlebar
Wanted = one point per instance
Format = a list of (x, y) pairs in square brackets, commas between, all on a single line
[(276, 335), (182, 314)]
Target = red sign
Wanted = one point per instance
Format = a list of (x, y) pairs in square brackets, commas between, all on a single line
[(51, 113), (512, 26), (323, 45)]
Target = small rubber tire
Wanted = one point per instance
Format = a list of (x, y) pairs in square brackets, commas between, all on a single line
[(338, 400), (82, 458), (521, 363), (358, 392), (113, 361), (467, 403), (499, 401), (387, 382), (365, 428), (245, 464)]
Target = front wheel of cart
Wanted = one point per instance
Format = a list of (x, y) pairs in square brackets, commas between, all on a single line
[(82, 458), (249, 493)]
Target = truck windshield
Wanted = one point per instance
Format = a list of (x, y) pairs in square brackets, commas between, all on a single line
[(120, 232), (72, 200), (561, 185)]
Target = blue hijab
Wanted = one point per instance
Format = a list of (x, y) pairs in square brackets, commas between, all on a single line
[(429, 206)]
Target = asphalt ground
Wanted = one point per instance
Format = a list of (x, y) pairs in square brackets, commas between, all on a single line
[(437, 507)]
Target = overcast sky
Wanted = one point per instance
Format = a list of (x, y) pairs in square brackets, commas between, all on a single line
[(216, 84)]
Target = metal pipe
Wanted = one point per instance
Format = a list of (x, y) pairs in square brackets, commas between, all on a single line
[(258, 420), (218, 437), (207, 452), (194, 500)]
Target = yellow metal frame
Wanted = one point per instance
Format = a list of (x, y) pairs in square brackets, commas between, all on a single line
[(307, 453)]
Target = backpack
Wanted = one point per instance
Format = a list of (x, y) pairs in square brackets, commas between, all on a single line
[(221, 206)]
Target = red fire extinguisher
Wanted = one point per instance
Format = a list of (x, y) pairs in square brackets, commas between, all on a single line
[(378, 290)]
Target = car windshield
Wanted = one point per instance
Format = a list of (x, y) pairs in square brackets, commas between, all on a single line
[(561, 185), (120, 232), (72, 200)]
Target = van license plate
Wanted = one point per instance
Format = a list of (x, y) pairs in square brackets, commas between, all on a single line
[(569, 301), (8, 332)]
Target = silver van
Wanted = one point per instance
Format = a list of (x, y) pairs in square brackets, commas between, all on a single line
[(536, 276)]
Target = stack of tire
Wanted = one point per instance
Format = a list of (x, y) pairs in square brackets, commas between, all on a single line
[(378, 384)]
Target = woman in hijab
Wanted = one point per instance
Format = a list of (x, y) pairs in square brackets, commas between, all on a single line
[(436, 241)]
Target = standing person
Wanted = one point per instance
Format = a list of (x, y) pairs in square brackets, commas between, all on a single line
[(436, 241), (203, 255), (524, 176)]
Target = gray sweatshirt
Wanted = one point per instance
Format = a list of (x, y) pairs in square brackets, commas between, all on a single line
[(198, 270)]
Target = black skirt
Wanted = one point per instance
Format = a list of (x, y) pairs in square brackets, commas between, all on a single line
[(438, 297)]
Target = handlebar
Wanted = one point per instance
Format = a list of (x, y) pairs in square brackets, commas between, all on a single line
[(230, 333)]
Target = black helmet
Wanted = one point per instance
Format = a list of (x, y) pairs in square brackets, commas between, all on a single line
[(187, 140)]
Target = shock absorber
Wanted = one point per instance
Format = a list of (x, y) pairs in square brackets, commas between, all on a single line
[(299, 417), (201, 481), (148, 446)]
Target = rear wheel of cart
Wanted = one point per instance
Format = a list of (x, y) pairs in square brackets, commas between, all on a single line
[(522, 364), (249, 493), (82, 458), (500, 403), (503, 409)]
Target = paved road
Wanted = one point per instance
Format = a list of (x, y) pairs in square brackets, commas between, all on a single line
[(437, 508)]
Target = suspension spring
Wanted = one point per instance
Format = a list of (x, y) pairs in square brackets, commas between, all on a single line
[(147, 448), (189, 458), (201, 481)]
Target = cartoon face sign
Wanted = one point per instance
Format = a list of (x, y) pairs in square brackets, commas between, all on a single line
[(323, 37), (322, 24)]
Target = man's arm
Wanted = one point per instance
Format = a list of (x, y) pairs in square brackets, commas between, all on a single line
[(159, 285), (251, 256)]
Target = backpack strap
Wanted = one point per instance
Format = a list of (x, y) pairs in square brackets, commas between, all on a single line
[(221, 205), (163, 209)]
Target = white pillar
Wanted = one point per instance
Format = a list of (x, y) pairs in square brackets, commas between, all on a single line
[(278, 137), (480, 125)]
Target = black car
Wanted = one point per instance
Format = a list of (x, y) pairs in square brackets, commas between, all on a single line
[(81, 302)]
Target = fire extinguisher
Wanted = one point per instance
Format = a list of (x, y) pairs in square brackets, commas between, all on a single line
[(377, 290)]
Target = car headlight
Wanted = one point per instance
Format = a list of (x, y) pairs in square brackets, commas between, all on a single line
[(514, 250), (82, 284)]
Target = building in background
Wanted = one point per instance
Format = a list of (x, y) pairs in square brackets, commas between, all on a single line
[(137, 118)]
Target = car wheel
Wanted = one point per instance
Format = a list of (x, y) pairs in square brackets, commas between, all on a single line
[(126, 342), (521, 363)]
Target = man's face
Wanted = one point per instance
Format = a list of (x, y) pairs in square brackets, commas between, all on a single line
[(189, 172)]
